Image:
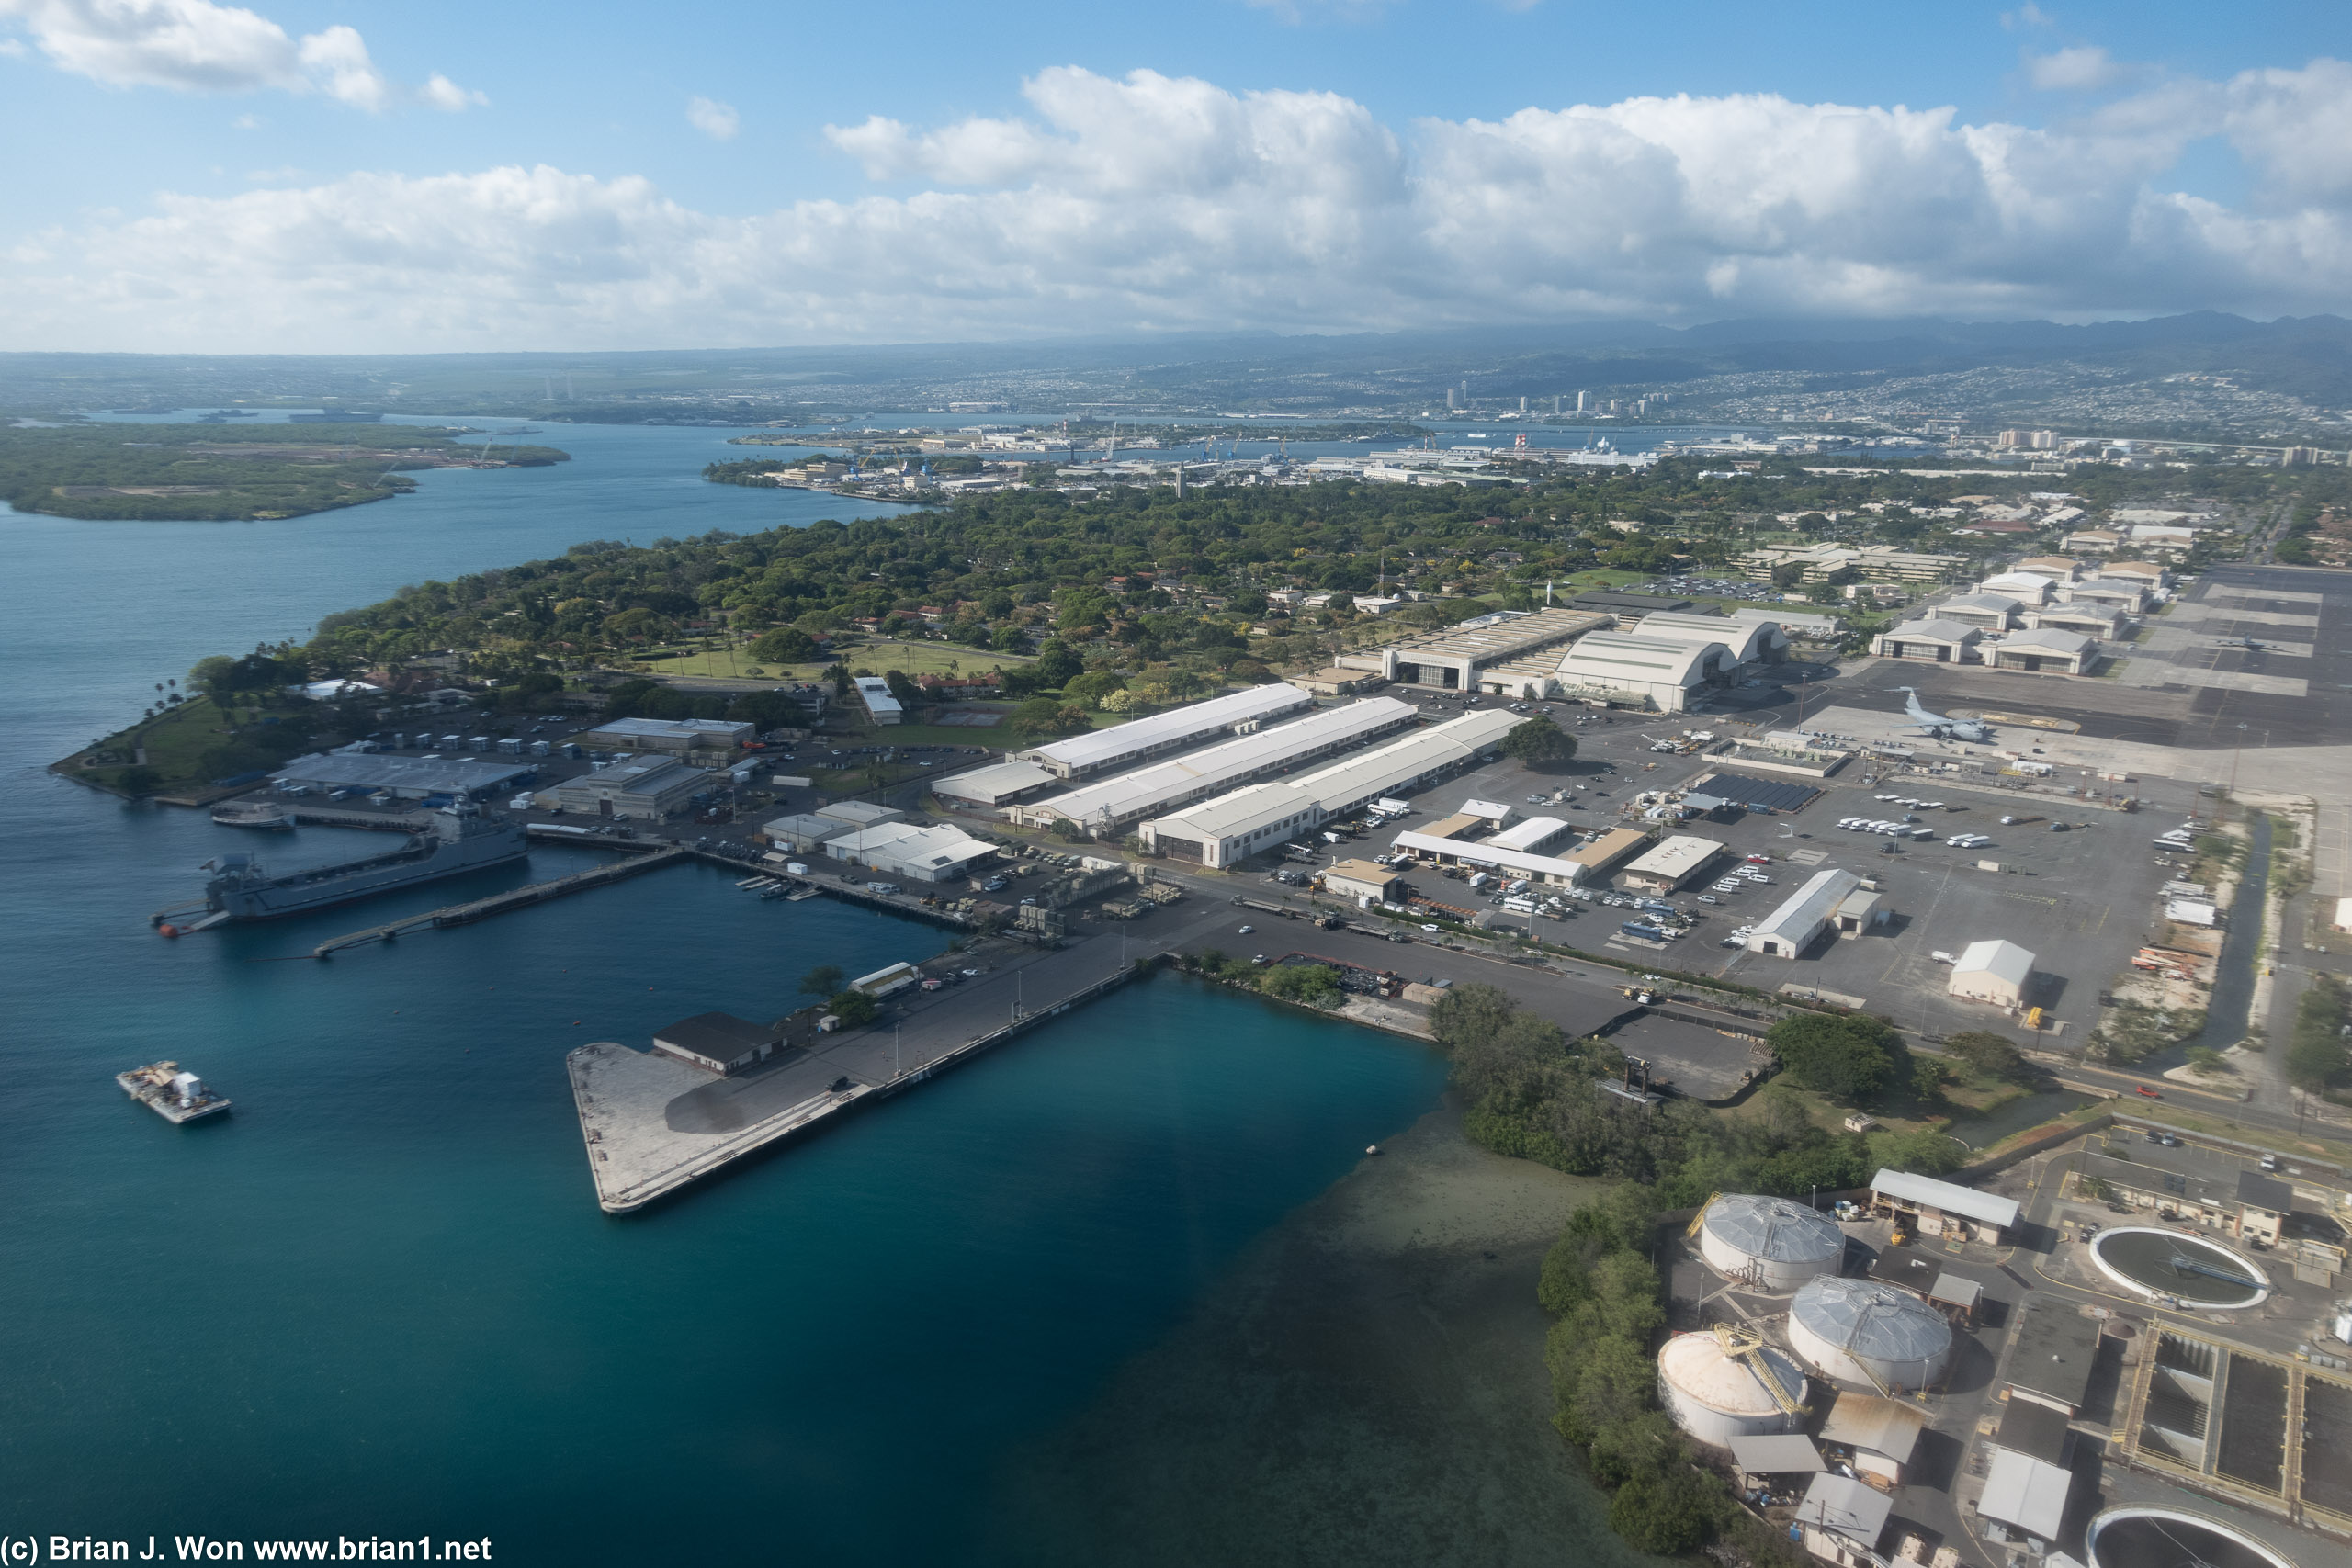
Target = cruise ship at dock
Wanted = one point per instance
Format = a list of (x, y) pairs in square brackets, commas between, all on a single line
[(459, 839)]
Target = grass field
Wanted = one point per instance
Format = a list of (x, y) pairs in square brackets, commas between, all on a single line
[(175, 740), (915, 659)]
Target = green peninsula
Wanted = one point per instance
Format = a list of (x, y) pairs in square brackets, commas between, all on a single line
[(215, 473)]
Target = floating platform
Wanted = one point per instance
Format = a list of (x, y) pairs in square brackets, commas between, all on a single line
[(177, 1097)]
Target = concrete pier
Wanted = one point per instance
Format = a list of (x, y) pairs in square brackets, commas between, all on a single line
[(498, 903), (652, 1125)]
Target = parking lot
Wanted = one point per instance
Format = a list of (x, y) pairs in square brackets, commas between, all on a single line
[(2082, 900)]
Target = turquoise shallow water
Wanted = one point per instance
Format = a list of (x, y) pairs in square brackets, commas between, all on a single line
[(379, 1299)]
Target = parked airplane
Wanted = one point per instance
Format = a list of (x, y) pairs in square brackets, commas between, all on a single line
[(2245, 642), (1942, 729)]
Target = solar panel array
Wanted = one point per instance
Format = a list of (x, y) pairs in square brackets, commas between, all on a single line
[(1774, 794)]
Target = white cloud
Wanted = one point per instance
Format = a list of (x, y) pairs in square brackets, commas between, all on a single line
[(12, 49), (2028, 16), (2078, 69), (442, 94), (1156, 203), (199, 47), (717, 120)]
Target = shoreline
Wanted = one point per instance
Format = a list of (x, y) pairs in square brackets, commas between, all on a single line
[(1365, 1385)]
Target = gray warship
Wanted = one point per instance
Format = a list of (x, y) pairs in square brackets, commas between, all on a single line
[(459, 839)]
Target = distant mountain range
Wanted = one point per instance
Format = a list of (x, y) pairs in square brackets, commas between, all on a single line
[(2308, 358)]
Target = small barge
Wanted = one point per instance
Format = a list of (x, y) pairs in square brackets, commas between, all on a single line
[(177, 1097)]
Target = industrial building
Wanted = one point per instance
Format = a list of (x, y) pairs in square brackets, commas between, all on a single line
[(1231, 828), (1599, 856), (1457, 657), (1717, 1394), (672, 735), (1673, 863), (1769, 1244), (880, 705), (1865, 1332), (1534, 836), (2031, 590), (1792, 623), (1938, 641), (1830, 899), (2186, 1185), (1363, 882), (1842, 1520), (2126, 595), (1754, 641), (908, 851), (1880, 562), (1943, 1208), (994, 787), (2084, 620), (2031, 1475), (2054, 568), (644, 788), (1881, 1435), (718, 1042), (404, 778), (1106, 804), (1139, 741), (803, 832), (1985, 611), (1622, 668), (2052, 1356), (2047, 649), (1994, 972)]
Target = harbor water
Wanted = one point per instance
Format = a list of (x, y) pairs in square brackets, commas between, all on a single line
[(377, 1299)]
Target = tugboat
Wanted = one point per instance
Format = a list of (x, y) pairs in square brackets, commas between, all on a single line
[(266, 815), (178, 1097)]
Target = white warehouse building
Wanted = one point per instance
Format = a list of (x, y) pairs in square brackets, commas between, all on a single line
[(1108, 803), (1994, 972), (1140, 740), (1231, 828)]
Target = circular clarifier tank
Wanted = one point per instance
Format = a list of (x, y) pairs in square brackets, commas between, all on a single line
[(2174, 1538), (2188, 1268)]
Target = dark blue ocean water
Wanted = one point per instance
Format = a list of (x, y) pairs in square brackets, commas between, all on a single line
[(379, 1299)]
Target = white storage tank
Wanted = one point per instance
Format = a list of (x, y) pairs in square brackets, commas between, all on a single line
[(1868, 1333), (1771, 1243), (1716, 1396)]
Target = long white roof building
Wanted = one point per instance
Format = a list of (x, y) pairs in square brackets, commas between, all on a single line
[(1140, 740), (1233, 826), (1115, 801)]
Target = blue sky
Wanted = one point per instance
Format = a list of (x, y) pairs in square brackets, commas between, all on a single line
[(542, 178)]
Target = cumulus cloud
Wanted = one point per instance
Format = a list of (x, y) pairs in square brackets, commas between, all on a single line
[(199, 47), (2078, 69), (442, 94), (717, 120), (1155, 203)]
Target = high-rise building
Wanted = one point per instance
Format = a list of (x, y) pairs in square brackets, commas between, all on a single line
[(1522, 405), (1583, 404), (1555, 403), (1453, 399)]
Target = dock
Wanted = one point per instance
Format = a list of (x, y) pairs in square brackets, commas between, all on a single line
[(652, 1125), (498, 903)]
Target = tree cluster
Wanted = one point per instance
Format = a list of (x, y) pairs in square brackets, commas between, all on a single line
[(1535, 1094)]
